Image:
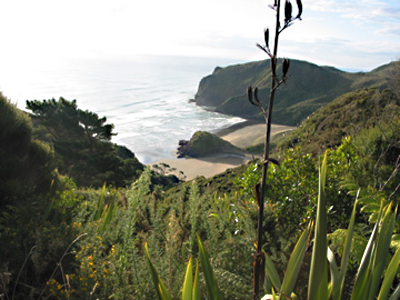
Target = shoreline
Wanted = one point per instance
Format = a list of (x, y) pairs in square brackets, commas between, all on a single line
[(242, 135)]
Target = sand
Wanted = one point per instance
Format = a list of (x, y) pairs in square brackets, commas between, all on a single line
[(206, 166), (252, 134), (241, 136)]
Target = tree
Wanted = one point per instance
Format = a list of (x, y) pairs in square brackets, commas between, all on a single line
[(64, 121), (81, 140)]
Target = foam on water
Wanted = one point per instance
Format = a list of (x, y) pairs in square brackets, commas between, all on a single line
[(146, 99)]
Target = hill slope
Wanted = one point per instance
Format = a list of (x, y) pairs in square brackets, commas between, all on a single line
[(308, 88), (349, 114)]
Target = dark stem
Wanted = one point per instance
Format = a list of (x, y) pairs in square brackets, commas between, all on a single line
[(268, 119)]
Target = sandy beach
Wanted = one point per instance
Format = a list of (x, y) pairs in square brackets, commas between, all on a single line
[(240, 136)]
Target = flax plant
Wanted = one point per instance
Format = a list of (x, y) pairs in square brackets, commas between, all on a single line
[(266, 111), (191, 285), (374, 277)]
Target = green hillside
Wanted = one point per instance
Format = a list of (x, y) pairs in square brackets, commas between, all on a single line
[(309, 87), (348, 115)]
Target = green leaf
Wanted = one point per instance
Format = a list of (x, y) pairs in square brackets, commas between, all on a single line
[(370, 208), (188, 282), (161, 289), (391, 272), (395, 243), (108, 214), (196, 284), (271, 272), (396, 293), (382, 250), (347, 248), (318, 280), (211, 282), (363, 273), (294, 265), (335, 276), (100, 203)]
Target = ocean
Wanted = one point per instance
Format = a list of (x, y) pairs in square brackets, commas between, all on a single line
[(146, 98)]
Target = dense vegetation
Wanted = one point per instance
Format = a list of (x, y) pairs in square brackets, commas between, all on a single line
[(26, 164), (81, 142), (76, 210)]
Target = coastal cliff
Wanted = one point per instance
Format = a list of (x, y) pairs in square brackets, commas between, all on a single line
[(309, 87)]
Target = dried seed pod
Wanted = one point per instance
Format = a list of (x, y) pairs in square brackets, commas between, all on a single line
[(272, 160), (288, 11), (266, 37), (257, 192), (256, 95), (300, 7), (250, 94), (285, 67)]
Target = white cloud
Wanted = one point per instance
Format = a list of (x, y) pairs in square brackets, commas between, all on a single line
[(43, 29)]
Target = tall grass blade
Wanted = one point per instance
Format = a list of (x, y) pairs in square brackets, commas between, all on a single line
[(211, 282), (318, 280), (363, 273), (294, 265), (161, 289), (108, 215), (396, 293), (272, 273), (100, 203), (347, 248), (188, 282), (196, 284), (335, 284), (382, 251), (391, 272)]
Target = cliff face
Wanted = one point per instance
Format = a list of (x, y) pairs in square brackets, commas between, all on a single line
[(309, 87)]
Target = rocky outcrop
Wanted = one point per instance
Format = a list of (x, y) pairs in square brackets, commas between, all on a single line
[(204, 144)]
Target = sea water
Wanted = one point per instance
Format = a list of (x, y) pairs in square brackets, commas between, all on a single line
[(146, 98)]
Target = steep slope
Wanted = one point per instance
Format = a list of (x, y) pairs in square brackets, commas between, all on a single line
[(349, 114), (308, 88)]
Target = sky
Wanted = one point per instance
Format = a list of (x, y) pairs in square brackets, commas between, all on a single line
[(350, 35)]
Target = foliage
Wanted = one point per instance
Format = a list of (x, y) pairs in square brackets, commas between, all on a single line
[(293, 187), (81, 141), (395, 78), (191, 286), (26, 165), (368, 283), (350, 114)]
